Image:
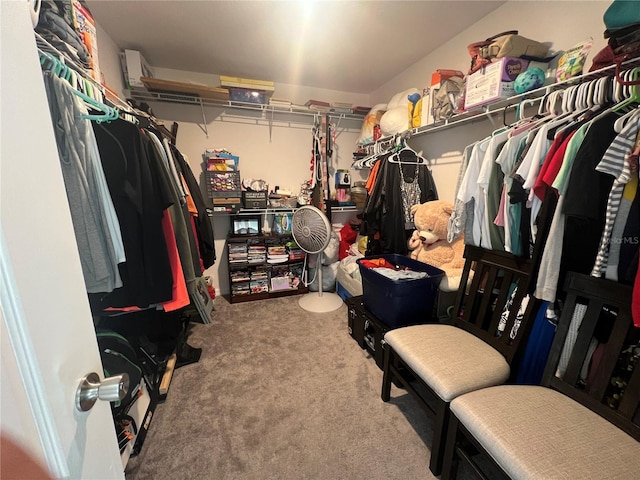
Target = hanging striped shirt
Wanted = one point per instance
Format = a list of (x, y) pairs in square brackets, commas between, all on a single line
[(614, 162)]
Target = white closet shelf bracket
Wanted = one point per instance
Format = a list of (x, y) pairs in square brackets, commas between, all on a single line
[(204, 126)]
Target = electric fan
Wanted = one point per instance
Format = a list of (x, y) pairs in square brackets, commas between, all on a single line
[(312, 231)]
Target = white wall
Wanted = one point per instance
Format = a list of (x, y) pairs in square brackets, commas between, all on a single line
[(561, 23), (280, 152), (109, 58)]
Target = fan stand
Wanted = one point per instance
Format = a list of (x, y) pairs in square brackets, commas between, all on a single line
[(320, 302)]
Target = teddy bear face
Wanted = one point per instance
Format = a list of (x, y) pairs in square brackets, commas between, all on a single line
[(431, 220)]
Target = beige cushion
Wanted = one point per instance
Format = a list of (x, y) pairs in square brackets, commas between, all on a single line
[(448, 359), (534, 432)]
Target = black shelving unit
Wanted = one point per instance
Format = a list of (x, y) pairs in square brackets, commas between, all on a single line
[(252, 280)]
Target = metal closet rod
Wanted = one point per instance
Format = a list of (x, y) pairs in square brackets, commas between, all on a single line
[(109, 96)]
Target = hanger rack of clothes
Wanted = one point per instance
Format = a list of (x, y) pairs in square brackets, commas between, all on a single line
[(550, 186), (559, 186), (82, 81), (143, 229)]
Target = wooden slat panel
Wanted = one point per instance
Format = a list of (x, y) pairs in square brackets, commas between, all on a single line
[(599, 292), (526, 325), (585, 333), (561, 334), (513, 314), (610, 357), (462, 291), (471, 301), (502, 300), (631, 398), (478, 320), (488, 293)]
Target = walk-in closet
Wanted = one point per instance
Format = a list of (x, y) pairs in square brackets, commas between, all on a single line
[(320, 239)]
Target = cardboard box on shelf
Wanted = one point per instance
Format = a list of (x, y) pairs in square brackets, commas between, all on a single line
[(441, 75), (227, 204), (134, 67), (254, 199), (247, 83), (493, 82)]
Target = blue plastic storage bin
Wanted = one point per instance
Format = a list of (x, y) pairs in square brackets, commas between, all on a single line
[(397, 303)]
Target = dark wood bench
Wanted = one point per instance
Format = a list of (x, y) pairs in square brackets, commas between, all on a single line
[(437, 362), (571, 426)]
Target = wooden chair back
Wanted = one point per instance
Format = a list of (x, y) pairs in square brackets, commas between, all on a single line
[(612, 388), (483, 296)]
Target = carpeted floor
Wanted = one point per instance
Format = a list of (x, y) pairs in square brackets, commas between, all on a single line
[(280, 393)]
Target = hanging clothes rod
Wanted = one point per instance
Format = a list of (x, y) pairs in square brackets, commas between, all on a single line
[(105, 94), (45, 46)]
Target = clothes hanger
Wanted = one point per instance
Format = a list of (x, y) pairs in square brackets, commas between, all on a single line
[(406, 149), (630, 91), (524, 124), (634, 99), (108, 113)]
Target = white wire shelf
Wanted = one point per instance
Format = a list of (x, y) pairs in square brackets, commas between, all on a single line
[(275, 210), (502, 106), (185, 99)]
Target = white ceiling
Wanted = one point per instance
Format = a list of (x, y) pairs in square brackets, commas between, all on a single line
[(351, 46)]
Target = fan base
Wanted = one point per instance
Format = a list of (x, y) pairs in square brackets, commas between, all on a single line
[(320, 303)]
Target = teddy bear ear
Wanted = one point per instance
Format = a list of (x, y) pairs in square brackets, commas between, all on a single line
[(414, 208), (448, 209)]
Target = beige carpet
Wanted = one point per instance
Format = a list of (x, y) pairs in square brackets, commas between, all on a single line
[(280, 393)]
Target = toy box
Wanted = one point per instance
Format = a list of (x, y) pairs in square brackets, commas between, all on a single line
[(493, 82), (400, 302)]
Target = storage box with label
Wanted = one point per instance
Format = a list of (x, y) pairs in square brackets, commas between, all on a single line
[(493, 82), (251, 199), (227, 205)]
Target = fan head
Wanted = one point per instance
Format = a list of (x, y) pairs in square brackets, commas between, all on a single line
[(310, 229)]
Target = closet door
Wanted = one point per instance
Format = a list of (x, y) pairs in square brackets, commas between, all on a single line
[(47, 337)]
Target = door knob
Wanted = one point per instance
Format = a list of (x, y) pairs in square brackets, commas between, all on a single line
[(92, 389)]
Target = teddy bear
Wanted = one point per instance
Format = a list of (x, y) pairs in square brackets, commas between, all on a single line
[(428, 243)]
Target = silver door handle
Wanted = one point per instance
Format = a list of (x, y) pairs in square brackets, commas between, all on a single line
[(92, 389)]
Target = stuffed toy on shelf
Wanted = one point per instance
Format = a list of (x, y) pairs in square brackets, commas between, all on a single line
[(428, 243)]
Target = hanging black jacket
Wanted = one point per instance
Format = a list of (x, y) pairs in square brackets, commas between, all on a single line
[(384, 213), (204, 228)]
